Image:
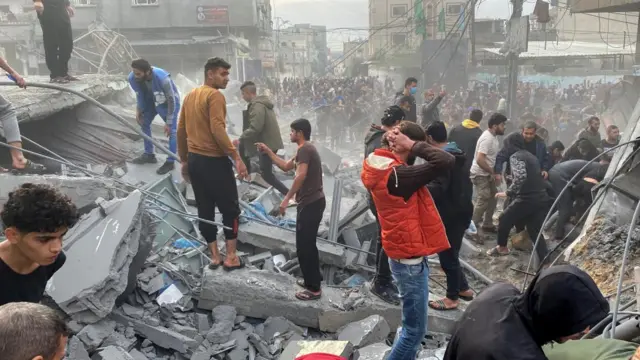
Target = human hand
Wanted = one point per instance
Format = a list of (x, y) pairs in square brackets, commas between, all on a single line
[(262, 147), (545, 175), (236, 142), (501, 195), (443, 93), (399, 141), (139, 118), (167, 130), (284, 205), (498, 178), (185, 172), (38, 6), (71, 11), (19, 80), (241, 169)]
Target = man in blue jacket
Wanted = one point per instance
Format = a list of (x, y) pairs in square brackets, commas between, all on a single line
[(156, 94)]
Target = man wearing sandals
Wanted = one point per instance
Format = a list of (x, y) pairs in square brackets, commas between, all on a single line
[(307, 188), (207, 157), (11, 130), (410, 224), (55, 20)]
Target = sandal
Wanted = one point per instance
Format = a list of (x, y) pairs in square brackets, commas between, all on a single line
[(465, 298), (300, 282), (213, 266), (440, 305), (307, 295), (29, 168), (494, 252), (234, 267)]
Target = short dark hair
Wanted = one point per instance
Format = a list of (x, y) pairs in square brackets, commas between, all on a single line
[(437, 131), (557, 145), (409, 81), (28, 330), (592, 118), (496, 119), (38, 208), (612, 127), (476, 115), (215, 63), (302, 125), (413, 131), (530, 125), (405, 99), (141, 64), (250, 86), (392, 115)]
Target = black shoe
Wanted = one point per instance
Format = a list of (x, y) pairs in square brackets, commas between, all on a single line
[(386, 292), (165, 168), (145, 159)]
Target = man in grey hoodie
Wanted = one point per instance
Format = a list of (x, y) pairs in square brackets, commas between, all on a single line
[(259, 125), (382, 285)]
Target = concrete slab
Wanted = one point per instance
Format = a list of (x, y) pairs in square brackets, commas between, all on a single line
[(262, 294), (37, 103), (82, 191), (112, 353), (276, 239), (100, 250), (378, 351), (76, 350), (365, 332)]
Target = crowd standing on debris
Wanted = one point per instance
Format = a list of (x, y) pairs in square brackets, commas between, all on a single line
[(420, 172)]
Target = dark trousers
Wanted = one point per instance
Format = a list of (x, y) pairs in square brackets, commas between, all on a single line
[(529, 213), (266, 170), (307, 224), (564, 206), (383, 271), (214, 185), (449, 259), (58, 42)]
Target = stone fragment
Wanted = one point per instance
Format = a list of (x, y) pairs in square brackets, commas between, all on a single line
[(93, 335), (298, 348), (278, 325), (224, 318), (241, 339), (184, 330), (365, 332), (120, 340), (202, 323), (239, 319), (76, 350), (204, 355), (132, 311), (261, 347), (137, 355), (237, 354), (112, 353), (160, 336), (378, 351)]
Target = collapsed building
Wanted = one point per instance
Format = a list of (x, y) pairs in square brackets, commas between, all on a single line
[(136, 285)]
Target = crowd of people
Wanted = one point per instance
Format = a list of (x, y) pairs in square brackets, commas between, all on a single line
[(421, 174)]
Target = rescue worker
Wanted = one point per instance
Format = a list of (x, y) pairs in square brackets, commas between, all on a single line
[(156, 94)]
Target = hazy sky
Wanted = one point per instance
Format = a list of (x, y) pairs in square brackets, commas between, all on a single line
[(337, 15)]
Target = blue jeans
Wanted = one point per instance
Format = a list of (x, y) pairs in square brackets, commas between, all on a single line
[(147, 119), (413, 283)]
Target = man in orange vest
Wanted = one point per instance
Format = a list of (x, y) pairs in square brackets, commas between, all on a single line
[(411, 228)]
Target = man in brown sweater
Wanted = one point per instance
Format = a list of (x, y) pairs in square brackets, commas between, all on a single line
[(208, 157)]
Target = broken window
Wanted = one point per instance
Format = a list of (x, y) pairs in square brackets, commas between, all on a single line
[(398, 10), (454, 9), (399, 39)]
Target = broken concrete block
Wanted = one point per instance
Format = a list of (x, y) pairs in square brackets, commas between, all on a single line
[(120, 340), (132, 311), (378, 351), (224, 319), (137, 355), (241, 339), (158, 335), (94, 335), (204, 355), (260, 345), (278, 325), (112, 353), (202, 323), (237, 354), (184, 330), (102, 246), (365, 332), (76, 350), (277, 298), (298, 348)]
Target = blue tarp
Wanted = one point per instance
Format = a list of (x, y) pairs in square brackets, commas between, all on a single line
[(259, 208)]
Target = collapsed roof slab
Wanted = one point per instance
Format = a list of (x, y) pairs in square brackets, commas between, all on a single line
[(262, 294), (37, 103), (82, 191)]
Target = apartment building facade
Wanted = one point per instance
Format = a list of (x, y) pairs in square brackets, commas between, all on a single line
[(302, 50), (618, 28)]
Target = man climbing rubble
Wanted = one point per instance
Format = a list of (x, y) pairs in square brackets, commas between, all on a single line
[(156, 94), (562, 303), (206, 154), (307, 188), (382, 285), (410, 224), (11, 129), (260, 125), (35, 218), (57, 36)]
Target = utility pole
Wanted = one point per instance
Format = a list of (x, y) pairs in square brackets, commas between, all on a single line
[(513, 46), (99, 11), (472, 31)]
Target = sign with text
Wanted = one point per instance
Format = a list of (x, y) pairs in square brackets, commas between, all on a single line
[(213, 14)]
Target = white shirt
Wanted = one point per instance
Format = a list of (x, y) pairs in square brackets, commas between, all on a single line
[(489, 145)]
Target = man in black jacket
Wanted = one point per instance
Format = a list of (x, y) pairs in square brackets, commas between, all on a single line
[(382, 285), (528, 194), (561, 303), (466, 136), (455, 208), (410, 89)]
